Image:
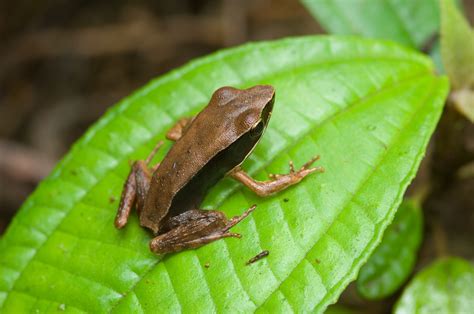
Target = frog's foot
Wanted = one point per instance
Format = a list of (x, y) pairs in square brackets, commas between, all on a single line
[(196, 228), (277, 182), (236, 219), (297, 175)]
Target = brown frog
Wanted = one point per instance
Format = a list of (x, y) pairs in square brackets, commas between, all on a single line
[(207, 147)]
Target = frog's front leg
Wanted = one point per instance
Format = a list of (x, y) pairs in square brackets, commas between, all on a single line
[(136, 188), (177, 130), (277, 182), (194, 228)]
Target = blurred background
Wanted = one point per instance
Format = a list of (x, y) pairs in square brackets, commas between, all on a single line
[(63, 63)]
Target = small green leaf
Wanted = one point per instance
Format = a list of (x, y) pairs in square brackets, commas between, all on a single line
[(393, 260), (446, 286), (457, 46), (409, 22), (367, 107)]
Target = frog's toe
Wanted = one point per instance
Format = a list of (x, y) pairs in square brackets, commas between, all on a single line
[(232, 234), (303, 172), (274, 176), (310, 162)]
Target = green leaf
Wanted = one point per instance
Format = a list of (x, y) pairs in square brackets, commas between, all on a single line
[(367, 107), (393, 260), (457, 46), (410, 22), (446, 286), (457, 51)]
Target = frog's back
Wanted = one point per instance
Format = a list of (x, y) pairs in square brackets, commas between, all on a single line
[(210, 147)]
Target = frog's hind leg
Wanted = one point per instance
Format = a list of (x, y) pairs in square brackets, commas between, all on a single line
[(134, 190), (195, 228), (277, 182), (136, 187)]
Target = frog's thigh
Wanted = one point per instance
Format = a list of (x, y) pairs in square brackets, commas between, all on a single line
[(192, 229), (177, 130), (142, 177), (203, 216)]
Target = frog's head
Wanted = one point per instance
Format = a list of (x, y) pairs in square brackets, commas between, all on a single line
[(249, 108), (262, 99)]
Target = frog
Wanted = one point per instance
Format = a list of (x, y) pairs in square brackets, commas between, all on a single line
[(207, 147)]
